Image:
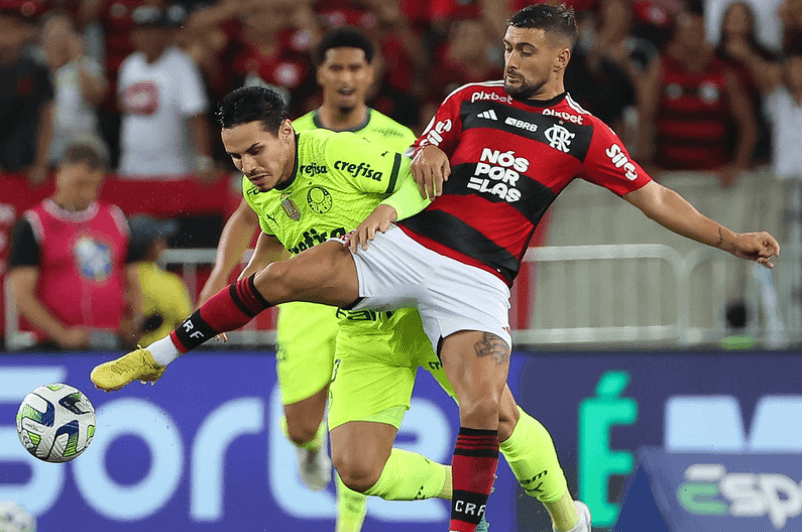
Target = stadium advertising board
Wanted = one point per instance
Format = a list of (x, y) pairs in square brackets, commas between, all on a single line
[(202, 450), (602, 408)]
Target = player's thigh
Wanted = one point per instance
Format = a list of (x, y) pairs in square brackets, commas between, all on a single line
[(307, 335), (324, 273), (364, 386), (476, 364)]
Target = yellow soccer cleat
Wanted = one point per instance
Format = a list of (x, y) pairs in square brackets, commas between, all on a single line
[(136, 365)]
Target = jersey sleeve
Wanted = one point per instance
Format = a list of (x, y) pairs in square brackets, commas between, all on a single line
[(608, 164), (365, 166), (406, 199), (24, 246), (445, 129)]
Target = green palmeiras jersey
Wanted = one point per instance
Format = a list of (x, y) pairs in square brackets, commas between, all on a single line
[(377, 128), (337, 181)]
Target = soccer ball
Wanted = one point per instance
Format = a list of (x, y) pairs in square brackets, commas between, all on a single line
[(14, 518), (56, 422)]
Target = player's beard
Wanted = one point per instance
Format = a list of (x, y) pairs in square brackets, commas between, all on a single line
[(523, 91)]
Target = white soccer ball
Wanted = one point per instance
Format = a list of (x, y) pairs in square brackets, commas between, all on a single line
[(14, 518), (56, 422)]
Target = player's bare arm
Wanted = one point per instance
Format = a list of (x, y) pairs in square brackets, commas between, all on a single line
[(234, 240), (430, 168), (673, 212)]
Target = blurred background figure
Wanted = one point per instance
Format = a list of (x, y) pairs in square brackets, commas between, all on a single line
[(740, 49), (15, 518), (165, 297), (26, 95), (69, 267), (79, 83), (165, 131), (692, 106)]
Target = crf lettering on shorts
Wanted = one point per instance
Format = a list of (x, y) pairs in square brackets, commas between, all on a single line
[(620, 160), (497, 173), (313, 237), (362, 169)]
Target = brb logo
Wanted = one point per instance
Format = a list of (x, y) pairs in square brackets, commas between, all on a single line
[(502, 171)]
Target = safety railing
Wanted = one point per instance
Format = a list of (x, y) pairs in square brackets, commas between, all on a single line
[(606, 295)]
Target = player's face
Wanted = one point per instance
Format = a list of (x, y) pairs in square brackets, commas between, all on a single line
[(531, 58), (78, 184), (345, 77), (266, 159)]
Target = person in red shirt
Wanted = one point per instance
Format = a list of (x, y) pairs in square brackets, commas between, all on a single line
[(691, 101), (69, 264)]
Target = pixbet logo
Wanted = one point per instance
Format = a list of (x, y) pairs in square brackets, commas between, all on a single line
[(563, 115), (502, 171), (746, 494), (489, 96), (620, 160)]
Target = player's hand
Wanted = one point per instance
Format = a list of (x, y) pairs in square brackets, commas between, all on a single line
[(430, 167), (379, 220), (760, 247)]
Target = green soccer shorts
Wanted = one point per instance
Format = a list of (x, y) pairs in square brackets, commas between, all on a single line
[(377, 356), (307, 335)]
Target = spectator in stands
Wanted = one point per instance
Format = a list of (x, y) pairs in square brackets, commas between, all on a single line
[(165, 297), (691, 101), (79, 83), (26, 95), (68, 267), (165, 131), (466, 57), (596, 82), (740, 50)]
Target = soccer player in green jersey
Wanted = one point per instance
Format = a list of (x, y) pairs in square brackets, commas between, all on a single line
[(318, 184), (344, 59)]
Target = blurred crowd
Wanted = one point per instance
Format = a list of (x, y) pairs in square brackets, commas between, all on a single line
[(711, 86)]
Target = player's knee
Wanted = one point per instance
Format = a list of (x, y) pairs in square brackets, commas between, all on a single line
[(356, 473), (299, 433), (274, 279), (483, 411)]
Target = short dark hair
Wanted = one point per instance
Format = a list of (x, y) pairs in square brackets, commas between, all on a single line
[(346, 37), (93, 156), (250, 104), (551, 19)]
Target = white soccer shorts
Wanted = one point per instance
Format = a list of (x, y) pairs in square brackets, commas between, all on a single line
[(398, 272)]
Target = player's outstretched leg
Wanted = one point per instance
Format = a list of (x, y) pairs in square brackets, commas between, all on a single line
[(323, 274)]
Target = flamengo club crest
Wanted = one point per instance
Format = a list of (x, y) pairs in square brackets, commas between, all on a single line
[(559, 137)]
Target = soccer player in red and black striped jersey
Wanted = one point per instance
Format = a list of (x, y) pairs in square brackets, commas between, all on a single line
[(513, 145)]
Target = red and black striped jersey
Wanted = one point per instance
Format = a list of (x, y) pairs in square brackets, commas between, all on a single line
[(509, 161)]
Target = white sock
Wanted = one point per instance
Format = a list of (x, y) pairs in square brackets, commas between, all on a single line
[(163, 351)]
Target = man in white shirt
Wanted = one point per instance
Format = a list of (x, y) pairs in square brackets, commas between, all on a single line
[(165, 131)]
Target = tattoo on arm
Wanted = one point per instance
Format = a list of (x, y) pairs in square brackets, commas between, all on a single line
[(493, 346)]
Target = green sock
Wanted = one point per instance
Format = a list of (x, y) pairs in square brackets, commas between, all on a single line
[(410, 476), (351, 508), (531, 455), (312, 444)]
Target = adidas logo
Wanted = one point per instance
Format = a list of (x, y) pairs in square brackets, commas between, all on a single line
[(489, 115)]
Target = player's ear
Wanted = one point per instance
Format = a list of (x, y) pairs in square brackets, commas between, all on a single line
[(285, 130), (563, 57)]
